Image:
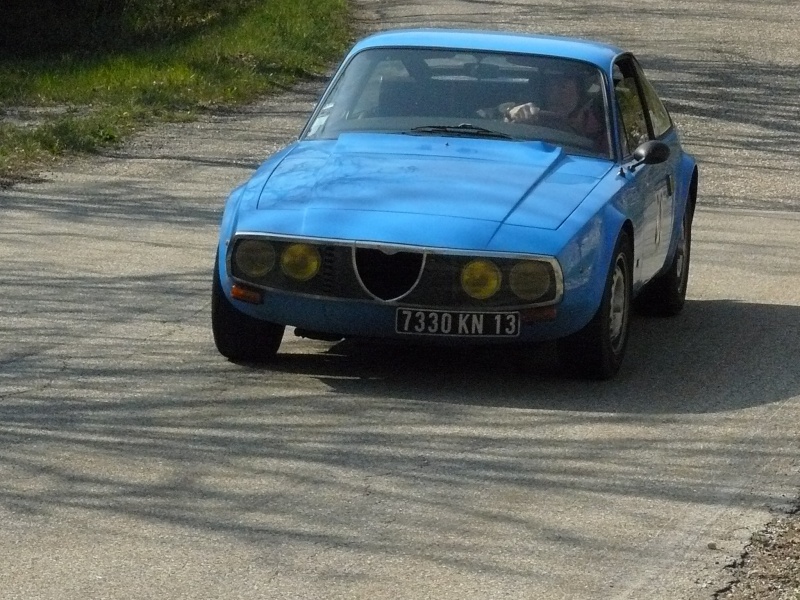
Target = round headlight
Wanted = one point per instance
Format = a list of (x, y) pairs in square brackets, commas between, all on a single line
[(300, 261), (530, 280), (254, 258), (481, 279)]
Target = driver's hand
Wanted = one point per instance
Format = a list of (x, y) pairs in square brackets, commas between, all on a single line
[(524, 113)]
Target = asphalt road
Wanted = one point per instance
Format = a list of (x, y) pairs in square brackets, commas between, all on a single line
[(136, 463)]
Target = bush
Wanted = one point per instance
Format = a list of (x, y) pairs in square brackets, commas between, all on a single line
[(41, 27)]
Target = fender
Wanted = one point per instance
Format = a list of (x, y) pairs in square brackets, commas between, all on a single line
[(685, 199), (246, 196), (587, 259)]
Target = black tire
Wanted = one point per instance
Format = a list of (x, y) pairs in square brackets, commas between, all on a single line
[(597, 350), (665, 294), (240, 337)]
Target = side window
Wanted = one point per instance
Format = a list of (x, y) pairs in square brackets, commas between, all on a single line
[(631, 110), (634, 122), (659, 116)]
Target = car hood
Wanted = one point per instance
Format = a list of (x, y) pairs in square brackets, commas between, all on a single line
[(343, 187)]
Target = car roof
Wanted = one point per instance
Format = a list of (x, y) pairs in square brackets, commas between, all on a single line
[(597, 53)]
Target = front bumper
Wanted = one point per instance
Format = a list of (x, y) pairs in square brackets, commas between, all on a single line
[(350, 318)]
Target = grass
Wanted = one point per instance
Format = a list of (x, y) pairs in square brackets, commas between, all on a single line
[(82, 101)]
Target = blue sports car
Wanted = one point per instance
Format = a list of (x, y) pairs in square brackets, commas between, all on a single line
[(464, 187)]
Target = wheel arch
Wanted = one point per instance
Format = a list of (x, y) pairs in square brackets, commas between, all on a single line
[(691, 200), (688, 179), (627, 227), (592, 250), (687, 192)]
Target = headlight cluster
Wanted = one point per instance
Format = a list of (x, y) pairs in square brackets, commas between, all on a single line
[(300, 261), (254, 259), (481, 279), (529, 280), (420, 277)]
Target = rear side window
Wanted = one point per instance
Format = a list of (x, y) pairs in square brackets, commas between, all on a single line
[(634, 122), (659, 116)]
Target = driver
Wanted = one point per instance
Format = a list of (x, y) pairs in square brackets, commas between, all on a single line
[(563, 102)]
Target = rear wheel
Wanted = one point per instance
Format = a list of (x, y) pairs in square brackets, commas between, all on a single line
[(665, 295), (238, 336), (597, 350)]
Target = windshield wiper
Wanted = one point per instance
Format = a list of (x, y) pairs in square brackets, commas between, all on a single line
[(464, 129)]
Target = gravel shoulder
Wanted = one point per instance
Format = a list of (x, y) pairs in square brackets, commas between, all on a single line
[(769, 569)]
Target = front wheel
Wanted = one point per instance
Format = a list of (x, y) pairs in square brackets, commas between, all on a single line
[(240, 337), (597, 350)]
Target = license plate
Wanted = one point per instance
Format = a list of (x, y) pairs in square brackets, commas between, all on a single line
[(457, 323)]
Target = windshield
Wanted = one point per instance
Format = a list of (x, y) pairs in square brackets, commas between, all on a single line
[(419, 91)]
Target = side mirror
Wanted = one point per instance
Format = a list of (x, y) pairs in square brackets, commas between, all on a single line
[(650, 153)]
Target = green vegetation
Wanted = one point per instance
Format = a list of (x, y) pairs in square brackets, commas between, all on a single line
[(109, 68)]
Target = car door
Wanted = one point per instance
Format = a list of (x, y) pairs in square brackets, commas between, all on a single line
[(650, 188), (662, 129)]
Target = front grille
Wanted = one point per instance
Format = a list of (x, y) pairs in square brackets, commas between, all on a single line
[(415, 277), (388, 276), (330, 270)]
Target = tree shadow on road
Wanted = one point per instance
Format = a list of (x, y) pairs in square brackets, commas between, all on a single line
[(387, 449), (717, 356)]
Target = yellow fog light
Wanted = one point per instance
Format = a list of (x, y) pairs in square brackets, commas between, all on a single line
[(481, 279), (254, 258), (530, 280), (300, 261)]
